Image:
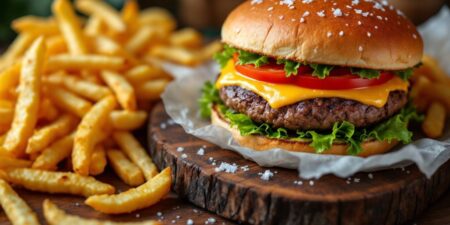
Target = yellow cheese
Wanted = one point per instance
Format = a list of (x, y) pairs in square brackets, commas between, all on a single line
[(279, 95)]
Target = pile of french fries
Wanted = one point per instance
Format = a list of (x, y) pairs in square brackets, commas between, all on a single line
[(431, 93), (72, 90)]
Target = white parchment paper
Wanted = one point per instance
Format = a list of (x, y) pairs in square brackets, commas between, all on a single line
[(180, 100)]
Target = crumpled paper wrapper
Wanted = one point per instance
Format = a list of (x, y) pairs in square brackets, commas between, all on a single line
[(180, 100)]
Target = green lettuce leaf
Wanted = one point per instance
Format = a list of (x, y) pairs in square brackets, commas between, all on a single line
[(252, 58), (210, 96), (290, 67), (224, 56), (321, 71), (366, 73), (405, 74)]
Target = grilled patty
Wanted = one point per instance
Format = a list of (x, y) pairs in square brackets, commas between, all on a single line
[(313, 114)]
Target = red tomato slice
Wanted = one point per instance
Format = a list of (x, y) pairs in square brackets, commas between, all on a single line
[(338, 80)]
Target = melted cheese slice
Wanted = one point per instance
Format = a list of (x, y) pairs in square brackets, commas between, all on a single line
[(279, 95)]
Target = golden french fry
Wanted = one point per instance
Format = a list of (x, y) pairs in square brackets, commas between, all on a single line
[(94, 26), (126, 170), (6, 115), (133, 149), (69, 102), (142, 73), (104, 12), (56, 216), (47, 110), (127, 120), (212, 48), (438, 92), (434, 123), (105, 45), (186, 38), (140, 40), (87, 62), (177, 55), (54, 154), (9, 78), (46, 135), (83, 88), (56, 182), (89, 128), (436, 73), (56, 45), (38, 25), (130, 15), (70, 27), (25, 115), (151, 90), (157, 17), (98, 161), (10, 162), (123, 90), (16, 209), (16, 49), (136, 198)]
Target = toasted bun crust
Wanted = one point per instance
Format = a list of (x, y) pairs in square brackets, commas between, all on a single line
[(261, 143), (364, 35)]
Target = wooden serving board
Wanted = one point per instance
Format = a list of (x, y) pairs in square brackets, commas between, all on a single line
[(393, 196)]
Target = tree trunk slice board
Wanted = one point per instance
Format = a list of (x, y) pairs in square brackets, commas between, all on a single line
[(392, 197)]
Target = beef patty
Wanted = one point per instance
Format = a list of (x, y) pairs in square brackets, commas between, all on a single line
[(313, 114)]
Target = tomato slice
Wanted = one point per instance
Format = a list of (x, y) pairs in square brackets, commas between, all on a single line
[(339, 79)]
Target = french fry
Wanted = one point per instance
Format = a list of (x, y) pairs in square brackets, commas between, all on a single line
[(89, 128), (151, 90), (9, 78), (46, 135), (157, 17), (70, 27), (434, 123), (177, 55), (439, 92), (136, 153), (25, 115), (69, 102), (54, 154), (56, 45), (98, 161), (6, 115), (10, 162), (37, 25), (127, 120), (136, 198), (56, 182), (142, 73), (17, 210), (16, 49), (126, 170), (94, 26), (47, 110), (130, 15), (104, 45), (56, 216), (140, 40), (186, 38), (209, 50), (436, 74), (88, 62), (123, 90), (83, 88), (104, 12)]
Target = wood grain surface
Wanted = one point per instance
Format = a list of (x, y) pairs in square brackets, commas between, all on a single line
[(175, 210), (393, 196)]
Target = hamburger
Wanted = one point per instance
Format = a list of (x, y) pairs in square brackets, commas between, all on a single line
[(315, 76)]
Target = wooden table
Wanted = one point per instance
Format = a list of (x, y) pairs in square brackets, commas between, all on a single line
[(173, 210)]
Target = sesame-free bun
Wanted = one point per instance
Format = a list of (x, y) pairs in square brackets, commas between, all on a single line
[(262, 143), (352, 33)]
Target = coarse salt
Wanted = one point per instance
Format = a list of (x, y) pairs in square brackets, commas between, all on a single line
[(266, 175)]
